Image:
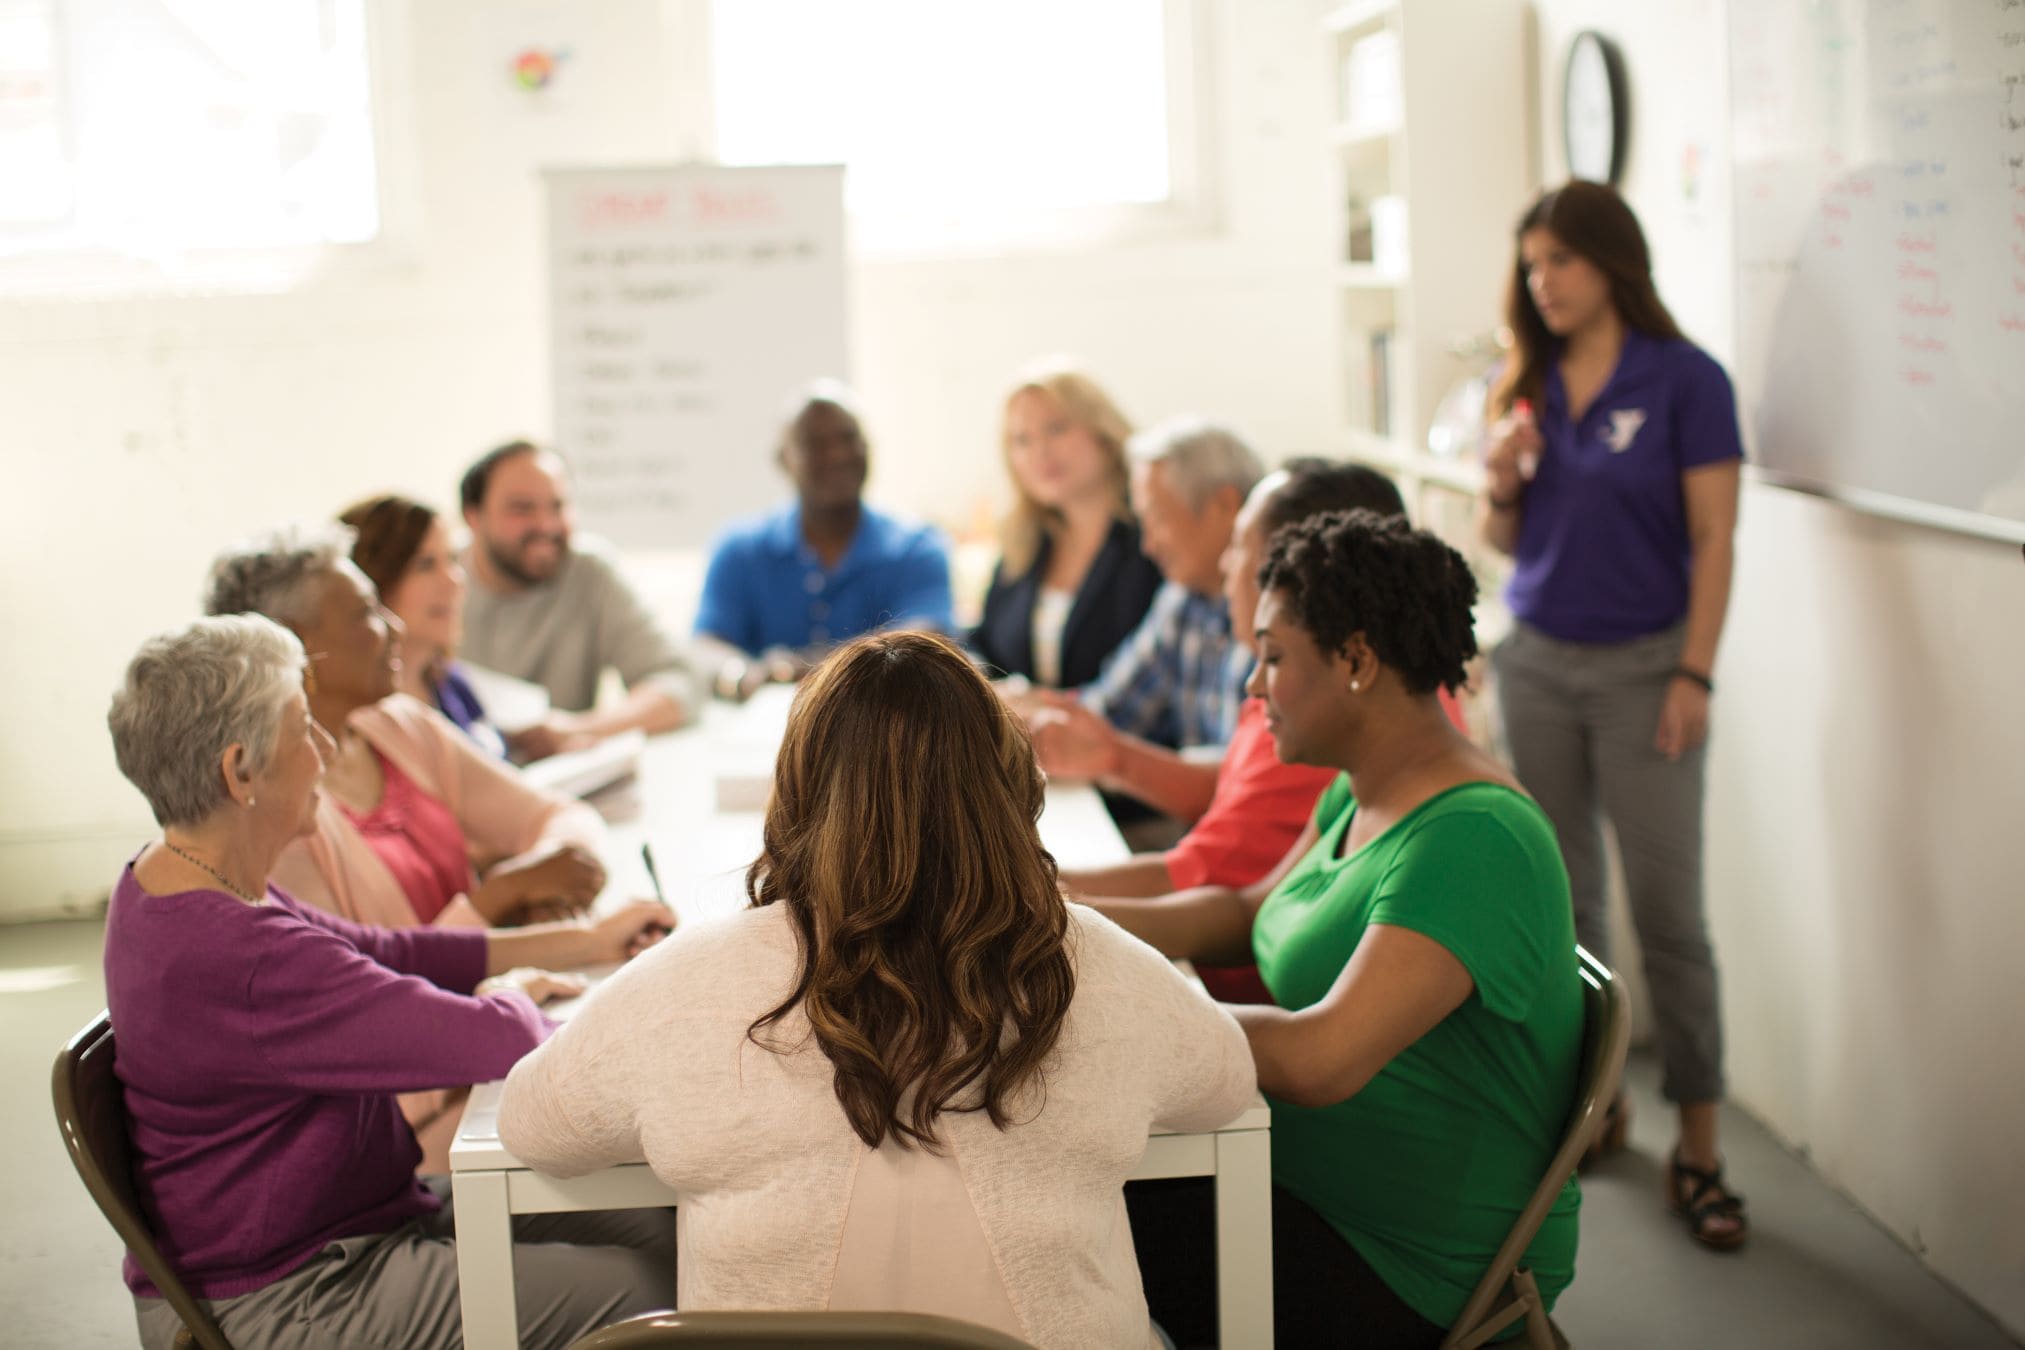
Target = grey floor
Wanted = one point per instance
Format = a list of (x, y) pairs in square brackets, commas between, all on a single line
[(1817, 1272)]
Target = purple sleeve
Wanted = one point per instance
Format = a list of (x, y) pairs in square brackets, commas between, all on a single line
[(328, 1018), (1705, 414), (453, 958), (457, 700)]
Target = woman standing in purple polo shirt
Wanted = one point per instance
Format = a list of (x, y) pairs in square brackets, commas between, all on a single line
[(1611, 477)]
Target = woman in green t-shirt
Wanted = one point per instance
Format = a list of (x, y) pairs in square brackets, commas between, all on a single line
[(1419, 943)]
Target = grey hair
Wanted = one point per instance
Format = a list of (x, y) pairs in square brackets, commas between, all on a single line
[(189, 695), (271, 573), (1200, 456)]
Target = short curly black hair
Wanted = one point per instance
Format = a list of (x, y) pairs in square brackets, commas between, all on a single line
[(1407, 592)]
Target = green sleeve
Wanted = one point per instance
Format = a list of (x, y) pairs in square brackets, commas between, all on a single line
[(1466, 879)]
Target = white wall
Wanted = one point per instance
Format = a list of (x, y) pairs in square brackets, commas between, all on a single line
[(151, 431), (1866, 864), (1234, 323)]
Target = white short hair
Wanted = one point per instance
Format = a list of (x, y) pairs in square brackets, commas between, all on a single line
[(1200, 456), (272, 573), (191, 693)]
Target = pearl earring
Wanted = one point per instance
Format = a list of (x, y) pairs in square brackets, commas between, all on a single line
[(1354, 686), (249, 801)]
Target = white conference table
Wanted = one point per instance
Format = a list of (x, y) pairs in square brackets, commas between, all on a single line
[(697, 799)]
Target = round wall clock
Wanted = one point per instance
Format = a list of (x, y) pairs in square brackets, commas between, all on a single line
[(1595, 109)]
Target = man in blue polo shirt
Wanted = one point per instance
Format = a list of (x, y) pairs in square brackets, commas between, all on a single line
[(784, 588)]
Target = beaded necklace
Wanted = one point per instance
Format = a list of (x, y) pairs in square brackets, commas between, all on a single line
[(223, 880)]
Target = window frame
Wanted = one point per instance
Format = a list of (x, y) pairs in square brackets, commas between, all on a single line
[(102, 273)]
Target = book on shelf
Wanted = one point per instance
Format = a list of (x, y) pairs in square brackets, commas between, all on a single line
[(1381, 381)]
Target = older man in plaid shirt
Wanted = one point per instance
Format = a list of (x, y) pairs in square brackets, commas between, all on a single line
[(1178, 680)]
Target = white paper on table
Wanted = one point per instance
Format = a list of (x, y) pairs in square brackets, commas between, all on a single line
[(510, 704), (742, 793), (579, 773)]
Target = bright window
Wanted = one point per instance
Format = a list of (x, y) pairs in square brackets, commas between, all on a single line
[(967, 123), (164, 135)]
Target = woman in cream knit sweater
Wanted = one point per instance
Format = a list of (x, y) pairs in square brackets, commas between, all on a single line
[(910, 1076)]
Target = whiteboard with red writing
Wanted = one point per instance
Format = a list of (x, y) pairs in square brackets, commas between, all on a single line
[(1880, 252), (687, 304)]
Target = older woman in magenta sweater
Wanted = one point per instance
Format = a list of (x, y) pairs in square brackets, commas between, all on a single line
[(261, 1042)]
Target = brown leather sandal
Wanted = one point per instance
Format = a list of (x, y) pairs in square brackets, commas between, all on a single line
[(1701, 1198), (1612, 1137)]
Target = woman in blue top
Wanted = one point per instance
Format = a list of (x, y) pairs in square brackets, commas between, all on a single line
[(1611, 478)]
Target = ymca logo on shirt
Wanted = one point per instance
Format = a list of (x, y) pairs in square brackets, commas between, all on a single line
[(1624, 425)]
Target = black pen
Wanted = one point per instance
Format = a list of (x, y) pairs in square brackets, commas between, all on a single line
[(647, 857), (654, 875)]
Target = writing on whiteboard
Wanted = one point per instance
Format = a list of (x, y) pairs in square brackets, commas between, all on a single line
[(605, 210), (736, 206), (622, 210), (1880, 244), (686, 302)]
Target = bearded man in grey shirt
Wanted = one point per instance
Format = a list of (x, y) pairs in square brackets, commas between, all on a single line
[(558, 615)]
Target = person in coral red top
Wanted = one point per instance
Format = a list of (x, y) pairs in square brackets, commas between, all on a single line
[(410, 803), (1248, 807)]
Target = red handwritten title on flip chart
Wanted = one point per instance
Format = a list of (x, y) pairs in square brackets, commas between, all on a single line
[(739, 206), (620, 210)]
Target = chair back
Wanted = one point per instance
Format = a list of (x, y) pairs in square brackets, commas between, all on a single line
[(1606, 1035), (756, 1330), (91, 1112)]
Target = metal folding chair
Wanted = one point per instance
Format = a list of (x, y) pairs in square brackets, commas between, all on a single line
[(1506, 1293), (91, 1112), (791, 1330)]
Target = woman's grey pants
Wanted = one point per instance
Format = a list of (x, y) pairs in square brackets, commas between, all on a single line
[(1580, 719), (572, 1273)]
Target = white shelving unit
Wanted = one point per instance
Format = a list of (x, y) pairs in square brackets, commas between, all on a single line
[(1433, 110), (1413, 80)]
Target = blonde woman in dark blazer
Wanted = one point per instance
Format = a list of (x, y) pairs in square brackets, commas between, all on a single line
[(1071, 582)]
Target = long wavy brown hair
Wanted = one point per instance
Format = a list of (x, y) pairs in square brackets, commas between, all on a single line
[(1594, 222), (901, 836)]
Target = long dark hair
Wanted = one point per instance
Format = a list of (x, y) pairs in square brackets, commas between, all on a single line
[(1592, 221), (933, 935)]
